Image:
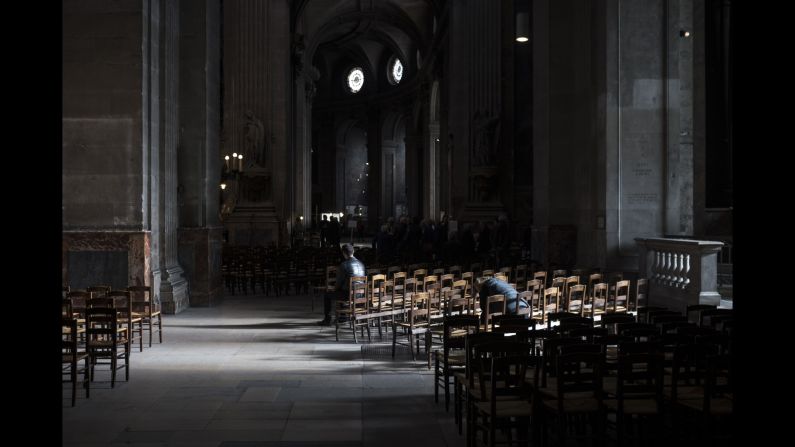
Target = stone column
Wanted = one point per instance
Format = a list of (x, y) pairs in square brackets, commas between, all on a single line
[(173, 286), (413, 172), (374, 215), (200, 232), (257, 66), (541, 178), (108, 168), (485, 117)]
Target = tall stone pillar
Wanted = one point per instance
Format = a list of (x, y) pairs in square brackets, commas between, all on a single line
[(541, 177), (105, 177), (414, 186), (485, 117), (304, 92), (374, 213), (200, 232), (256, 68), (173, 286)]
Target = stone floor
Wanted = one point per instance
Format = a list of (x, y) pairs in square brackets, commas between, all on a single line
[(257, 371)]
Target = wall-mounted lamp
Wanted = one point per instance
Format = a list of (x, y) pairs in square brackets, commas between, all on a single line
[(223, 186), (522, 27), (300, 217), (684, 33)]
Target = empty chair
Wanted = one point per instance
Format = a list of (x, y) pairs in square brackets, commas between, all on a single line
[(98, 291), (105, 341), (455, 270), (452, 357), (576, 299), (417, 323), (354, 309), (71, 356), (578, 393), (641, 293), (541, 276), (148, 310), (551, 302), (621, 297), (495, 305)]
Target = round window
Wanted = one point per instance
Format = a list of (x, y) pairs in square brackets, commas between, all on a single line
[(355, 79)]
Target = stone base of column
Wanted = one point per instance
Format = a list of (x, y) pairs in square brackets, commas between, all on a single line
[(173, 291), (200, 257)]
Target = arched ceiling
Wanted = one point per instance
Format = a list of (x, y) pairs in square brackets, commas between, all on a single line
[(337, 31)]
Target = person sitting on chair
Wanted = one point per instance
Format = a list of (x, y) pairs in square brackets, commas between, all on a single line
[(347, 268), (486, 287)]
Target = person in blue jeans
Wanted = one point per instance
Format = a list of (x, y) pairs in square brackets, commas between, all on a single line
[(347, 268), (486, 287)]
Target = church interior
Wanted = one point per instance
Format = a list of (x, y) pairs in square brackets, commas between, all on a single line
[(220, 156)]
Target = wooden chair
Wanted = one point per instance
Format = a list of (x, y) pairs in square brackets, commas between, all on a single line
[(536, 299), (148, 310), (453, 356), (417, 323), (98, 291), (641, 293), (560, 284), (127, 317), (329, 283), (593, 279), (579, 397), (71, 356), (541, 275), (377, 296), (504, 394), (455, 270), (551, 302), (461, 287), (507, 271), (104, 340), (638, 393), (621, 297), (355, 308), (495, 305), (576, 299), (447, 280)]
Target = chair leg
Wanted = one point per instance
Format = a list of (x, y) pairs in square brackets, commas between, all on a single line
[(160, 326), (113, 369), (127, 350), (141, 334), (411, 346), (436, 378), (446, 377), (394, 338), (151, 324), (74, 382), (87, 379)]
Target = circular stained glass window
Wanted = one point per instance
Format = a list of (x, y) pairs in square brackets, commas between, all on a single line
[(397, 71), (355, 79)]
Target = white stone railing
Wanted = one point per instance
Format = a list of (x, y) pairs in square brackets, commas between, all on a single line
[(681, 272)]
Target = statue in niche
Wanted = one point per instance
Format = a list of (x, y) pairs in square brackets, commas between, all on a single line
[(254, 133), (487, 135)]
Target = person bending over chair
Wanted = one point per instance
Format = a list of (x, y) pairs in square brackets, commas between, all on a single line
[(347, 268), (486, 287)]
